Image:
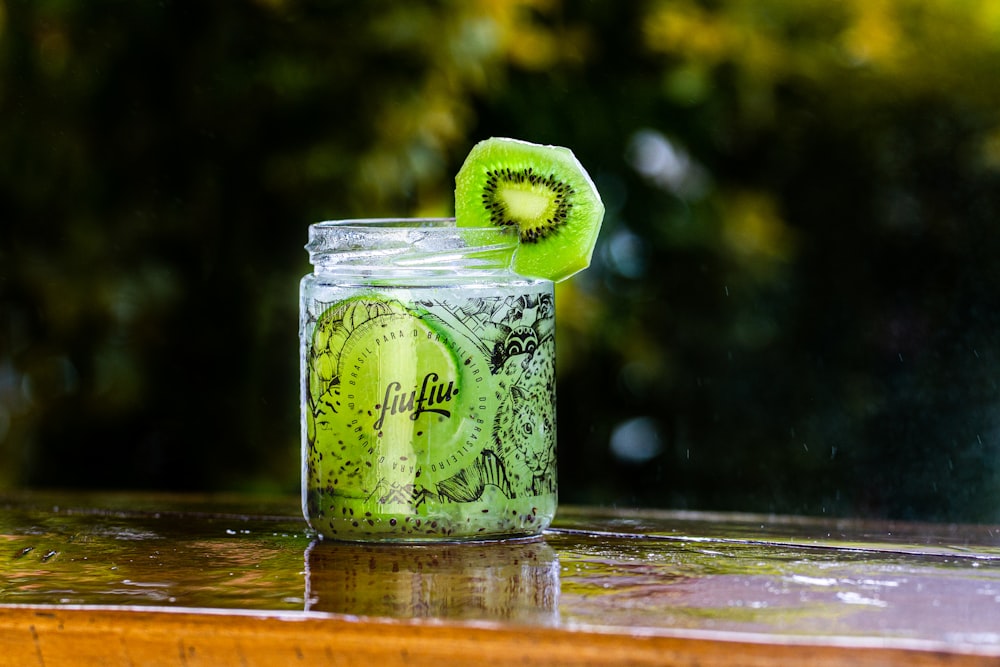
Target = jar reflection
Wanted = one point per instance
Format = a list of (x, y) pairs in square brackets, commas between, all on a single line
[(517, 580)]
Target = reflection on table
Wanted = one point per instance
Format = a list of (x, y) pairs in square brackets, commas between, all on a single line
[(515, 581)]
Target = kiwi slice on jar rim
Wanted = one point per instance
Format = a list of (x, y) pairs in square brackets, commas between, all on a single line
[(541, 190)]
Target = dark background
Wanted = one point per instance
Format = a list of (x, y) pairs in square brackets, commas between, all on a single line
[(793, 307)]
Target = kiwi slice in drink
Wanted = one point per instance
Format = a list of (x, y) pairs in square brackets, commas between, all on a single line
[(544, 191), (393, 409)]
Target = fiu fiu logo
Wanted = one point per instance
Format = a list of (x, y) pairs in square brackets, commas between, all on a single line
[(431, 396)]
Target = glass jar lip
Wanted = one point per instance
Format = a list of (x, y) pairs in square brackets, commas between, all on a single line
[(388, 223), (435, 226), (409, 242)]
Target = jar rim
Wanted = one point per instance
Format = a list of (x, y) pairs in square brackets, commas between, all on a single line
[(410, 242), (388, 223)]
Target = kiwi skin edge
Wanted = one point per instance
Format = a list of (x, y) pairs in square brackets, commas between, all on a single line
[(507, 181)]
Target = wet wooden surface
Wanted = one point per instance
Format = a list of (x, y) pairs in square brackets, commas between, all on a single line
[(180, 580)]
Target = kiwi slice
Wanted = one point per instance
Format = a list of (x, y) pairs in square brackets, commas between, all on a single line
[(394, 408), (544, 191)]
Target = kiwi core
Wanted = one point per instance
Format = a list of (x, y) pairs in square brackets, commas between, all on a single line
[(536, 205)]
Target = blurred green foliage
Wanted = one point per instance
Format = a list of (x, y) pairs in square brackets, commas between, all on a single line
[(793, 306)]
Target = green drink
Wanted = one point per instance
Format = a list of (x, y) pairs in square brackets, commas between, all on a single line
[(428, 393)]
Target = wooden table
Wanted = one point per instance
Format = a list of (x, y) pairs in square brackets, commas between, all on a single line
[(177, 580)]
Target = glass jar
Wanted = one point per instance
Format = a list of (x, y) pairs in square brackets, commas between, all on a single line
[(428, 384)]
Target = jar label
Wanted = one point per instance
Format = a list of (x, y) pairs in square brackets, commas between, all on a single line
[(423, 406)]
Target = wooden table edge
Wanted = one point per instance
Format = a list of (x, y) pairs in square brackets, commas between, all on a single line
[(95, 635)]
